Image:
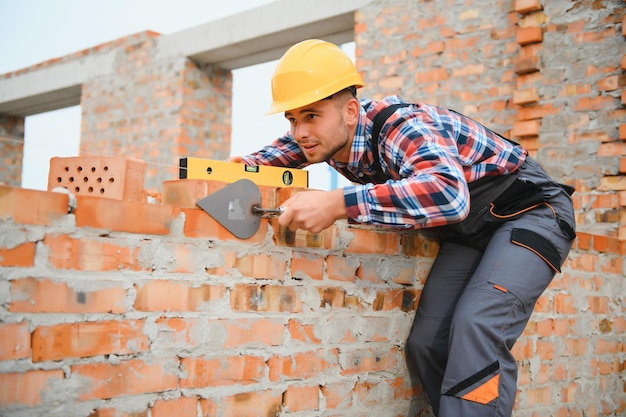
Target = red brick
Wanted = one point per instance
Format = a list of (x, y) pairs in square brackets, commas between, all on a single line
[(26, 388), (434, 47), (369, 241), (306, 265), (622, 131), (269, 298), (303, 332), (209, 407), (337, 395), (332, 297), (222, 371), (162, 295), (132, 377), (528, 35), (612, 149), (612, 265), (21, 256), (76, 340), (527, 6), (432, 76), (467, 70), (113, 412), (262, 266), (526, 65), (301, 238), (539, 396), (611, 83), (526, 128), (564, 303), (527, 96), (595, 103), (367, 392), (180, 407), (31, 206), (301, 398), (341, 268), (301, 365), (403, 299), (362, 361), (124, 216), (14, 341), (91, 255), (253, 404), (33, 295), (416, 245), (253, 332)]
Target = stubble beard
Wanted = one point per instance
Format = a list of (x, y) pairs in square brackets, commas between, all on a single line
[(326, 156)]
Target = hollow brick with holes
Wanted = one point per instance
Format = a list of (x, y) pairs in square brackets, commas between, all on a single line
[(108, 177)]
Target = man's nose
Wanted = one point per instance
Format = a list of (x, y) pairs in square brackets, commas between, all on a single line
[(300, 132)]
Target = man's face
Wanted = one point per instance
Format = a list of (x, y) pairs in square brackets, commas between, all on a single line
[(321, 130)]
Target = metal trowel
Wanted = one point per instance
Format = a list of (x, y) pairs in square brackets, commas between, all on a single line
[(237, 207)]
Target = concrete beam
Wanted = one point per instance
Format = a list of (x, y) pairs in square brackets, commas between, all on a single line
[(263, 34), (52, 87), (248, 38)]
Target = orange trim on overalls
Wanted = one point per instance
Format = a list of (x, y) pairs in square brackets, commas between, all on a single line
[(486, 393), (517, 213)]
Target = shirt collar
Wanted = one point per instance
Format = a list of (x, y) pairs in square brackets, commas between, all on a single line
[(359, 142)]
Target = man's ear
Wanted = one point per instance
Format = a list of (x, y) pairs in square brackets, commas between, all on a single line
[(352, 109)]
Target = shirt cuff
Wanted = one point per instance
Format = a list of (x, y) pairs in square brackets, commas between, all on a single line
[(354, 197)]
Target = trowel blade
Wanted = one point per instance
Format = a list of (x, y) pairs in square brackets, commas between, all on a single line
[(232, 207)]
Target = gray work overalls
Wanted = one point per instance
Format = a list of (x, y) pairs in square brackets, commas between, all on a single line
[(482, 289)]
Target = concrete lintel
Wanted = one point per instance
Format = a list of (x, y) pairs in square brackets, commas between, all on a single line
[(264, 33), (53, 87)]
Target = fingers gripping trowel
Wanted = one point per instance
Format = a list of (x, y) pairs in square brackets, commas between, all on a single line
[(237, 207)]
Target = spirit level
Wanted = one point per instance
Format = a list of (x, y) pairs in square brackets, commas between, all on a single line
[(198, 168)]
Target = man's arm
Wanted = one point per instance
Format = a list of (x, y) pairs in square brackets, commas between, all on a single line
[(283, 152)]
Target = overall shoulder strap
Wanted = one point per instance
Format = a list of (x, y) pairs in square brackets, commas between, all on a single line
[(378, 122)]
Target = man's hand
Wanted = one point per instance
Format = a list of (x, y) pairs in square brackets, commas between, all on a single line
[(313, 211)]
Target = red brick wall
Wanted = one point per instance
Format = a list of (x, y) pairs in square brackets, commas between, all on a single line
[(123, 307)]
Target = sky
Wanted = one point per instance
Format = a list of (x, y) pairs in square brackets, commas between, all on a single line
[(34, 31)]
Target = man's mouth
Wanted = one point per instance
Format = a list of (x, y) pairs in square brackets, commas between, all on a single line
[(309, 147)]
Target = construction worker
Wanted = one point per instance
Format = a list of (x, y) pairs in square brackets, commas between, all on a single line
[(504, 226)]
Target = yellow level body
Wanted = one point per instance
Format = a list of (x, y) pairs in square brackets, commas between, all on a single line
[(209, 169)]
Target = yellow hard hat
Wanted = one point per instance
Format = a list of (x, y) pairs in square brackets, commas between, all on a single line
[(310, 71)]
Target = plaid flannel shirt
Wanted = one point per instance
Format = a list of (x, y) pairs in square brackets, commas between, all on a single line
[(429, 154)]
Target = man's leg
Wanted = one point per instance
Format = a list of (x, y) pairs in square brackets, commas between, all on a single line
[(427, 344), (480, 379)]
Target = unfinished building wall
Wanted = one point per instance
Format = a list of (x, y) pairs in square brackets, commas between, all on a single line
[(124, 308), (156, 109), (11, 149), (549, 74)]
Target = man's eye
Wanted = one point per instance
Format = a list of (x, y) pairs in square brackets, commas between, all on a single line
[(311, 116)]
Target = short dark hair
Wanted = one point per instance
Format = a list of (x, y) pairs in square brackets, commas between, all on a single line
[(351, 90)]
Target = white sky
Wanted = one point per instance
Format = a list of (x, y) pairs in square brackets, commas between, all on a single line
[(34, 31)]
